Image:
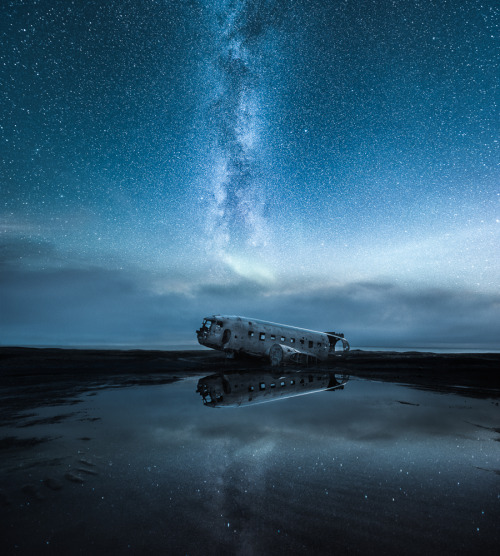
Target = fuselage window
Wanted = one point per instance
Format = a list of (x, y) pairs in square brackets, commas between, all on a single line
[(250, 388), (282, 383), (292, 340), (283, 338), (250, 333), (262, 336), (311, 343), (292, 382), (273, 385), (262, 385), (273, 337), (302, 341)]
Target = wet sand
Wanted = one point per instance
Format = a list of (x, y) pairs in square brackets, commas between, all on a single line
[(26, 362), (114, 452), (52, 367)]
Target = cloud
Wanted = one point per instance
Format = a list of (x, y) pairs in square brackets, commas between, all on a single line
[(93, 305), (15, 249), (369, 313), (82, 306)]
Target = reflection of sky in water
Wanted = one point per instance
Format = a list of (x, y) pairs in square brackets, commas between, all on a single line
[(353, 469)]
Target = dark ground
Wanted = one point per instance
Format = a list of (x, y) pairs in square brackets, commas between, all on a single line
[(57, 443), (37, 377), (50, 361), (24, 366)]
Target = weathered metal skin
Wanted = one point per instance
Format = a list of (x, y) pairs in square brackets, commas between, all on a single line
[(277, 342)]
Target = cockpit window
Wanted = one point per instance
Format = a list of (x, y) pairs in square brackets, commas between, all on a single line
[(207, 324)]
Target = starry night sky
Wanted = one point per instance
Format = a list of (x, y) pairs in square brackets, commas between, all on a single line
[(330, 165)]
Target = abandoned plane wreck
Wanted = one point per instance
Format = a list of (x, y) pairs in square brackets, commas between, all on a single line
[(277, 342)]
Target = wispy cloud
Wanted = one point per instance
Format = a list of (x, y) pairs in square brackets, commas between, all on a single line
[(101, 306)]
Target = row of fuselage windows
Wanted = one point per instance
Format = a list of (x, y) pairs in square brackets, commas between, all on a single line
[(282, 383), (272, 337)]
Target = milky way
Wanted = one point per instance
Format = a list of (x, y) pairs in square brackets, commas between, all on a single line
[(236, 218), (313, 162)]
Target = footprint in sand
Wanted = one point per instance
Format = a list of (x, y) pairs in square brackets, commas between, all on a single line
[(52, 483), (86, 467), (87, 471), (87, 462), (74, 478), (32, 492)]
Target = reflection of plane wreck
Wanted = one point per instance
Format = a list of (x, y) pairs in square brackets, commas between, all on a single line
[(278, 342), (233, 389)]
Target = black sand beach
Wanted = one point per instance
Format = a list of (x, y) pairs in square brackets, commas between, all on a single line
[(25, 362), (108, 451), (443, 371)]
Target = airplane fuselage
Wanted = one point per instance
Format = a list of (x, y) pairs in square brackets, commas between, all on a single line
[(279, 342)]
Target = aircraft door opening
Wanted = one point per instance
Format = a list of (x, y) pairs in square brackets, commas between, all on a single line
[(226, 336)]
